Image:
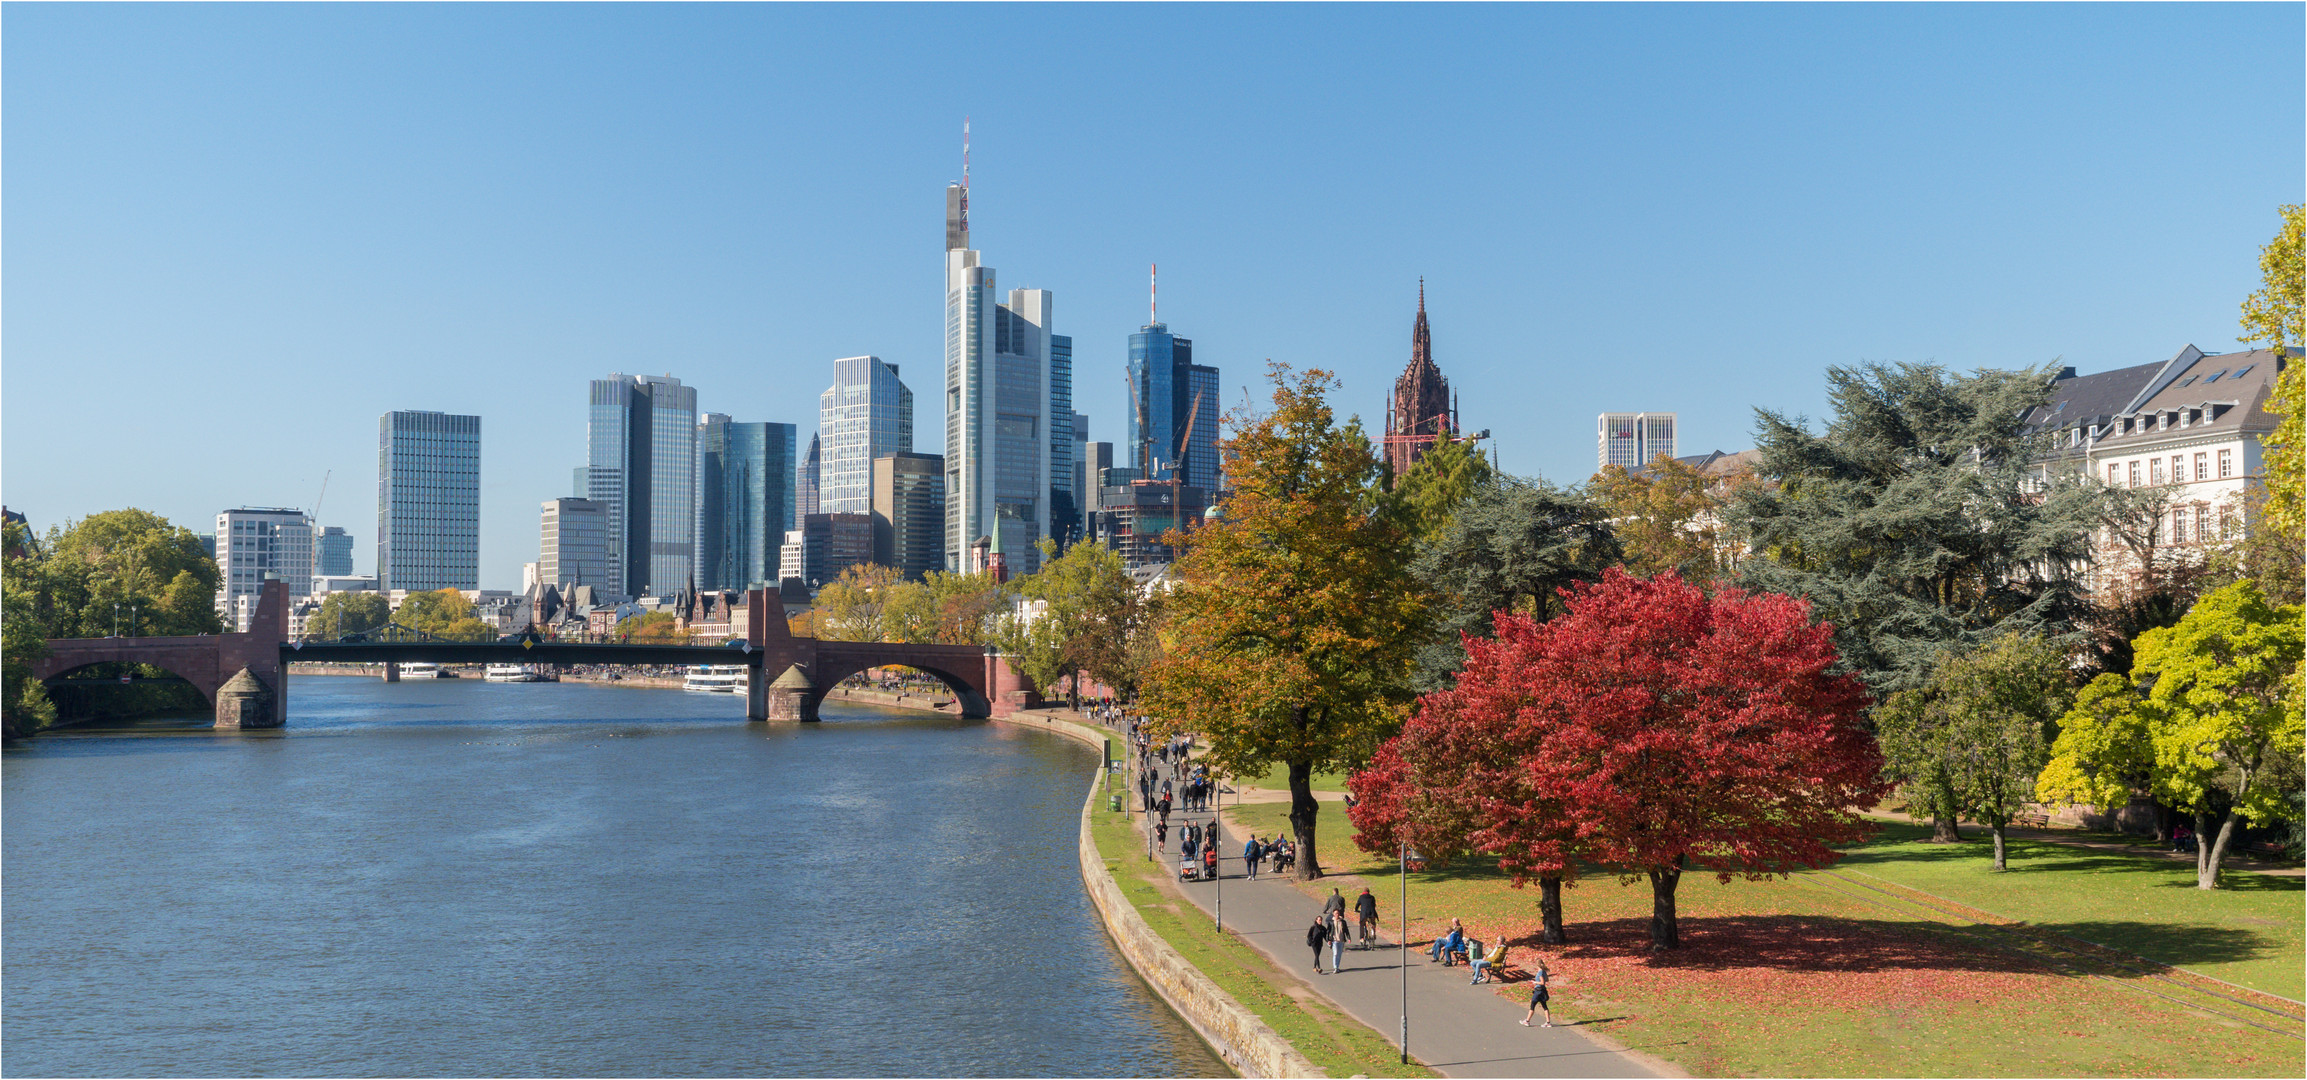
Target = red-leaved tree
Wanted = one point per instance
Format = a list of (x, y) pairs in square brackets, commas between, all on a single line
[(1649, 729)]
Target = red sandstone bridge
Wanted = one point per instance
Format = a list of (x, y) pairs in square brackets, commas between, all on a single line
[(245, 676)]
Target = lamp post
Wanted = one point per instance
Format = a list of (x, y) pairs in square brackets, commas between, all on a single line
[(1218, 877), (1403, 947)]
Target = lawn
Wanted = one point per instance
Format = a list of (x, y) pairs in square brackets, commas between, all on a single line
[(1787, 977), (1278, 778), (2248, 932)]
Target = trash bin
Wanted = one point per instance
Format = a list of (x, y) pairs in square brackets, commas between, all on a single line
[(1113, 803)]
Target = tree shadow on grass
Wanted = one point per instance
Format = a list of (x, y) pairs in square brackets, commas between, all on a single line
[(1804, 943), (2182, 946)]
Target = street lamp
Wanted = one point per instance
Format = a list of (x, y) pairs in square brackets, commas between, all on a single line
[(1403, 948), (1218, 875)]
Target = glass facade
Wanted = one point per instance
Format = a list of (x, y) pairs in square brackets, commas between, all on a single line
[(866, 413), (428, 501), (1064, 513), (745, 501), (1173, 424), (641, 450), (332, 553), (574, 548)]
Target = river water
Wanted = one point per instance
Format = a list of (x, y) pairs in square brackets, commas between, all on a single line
[(460, 878)]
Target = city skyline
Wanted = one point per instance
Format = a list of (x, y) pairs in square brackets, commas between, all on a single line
[(248, 213)]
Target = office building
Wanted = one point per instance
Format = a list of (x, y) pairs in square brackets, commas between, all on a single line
[(255, 544), (574, 544), (1097, 457), (1084, 501), (866, 413), (1007, 380), (1421, 410), (1632, 440), (428, 503), (332, 551), (1064, 512), (909, 513), (825, 545), (808, 488), (641, 465), (745, 501), (1173, 426)]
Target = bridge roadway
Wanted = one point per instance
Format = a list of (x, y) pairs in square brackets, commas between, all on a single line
[(244, 676)]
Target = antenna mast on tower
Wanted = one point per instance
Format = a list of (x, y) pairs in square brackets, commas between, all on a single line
[(1153, 294), (965, 176)]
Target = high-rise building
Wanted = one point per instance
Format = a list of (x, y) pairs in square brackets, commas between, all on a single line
[(1632, 440), (332, 552), (1064, 512), (1078, 488), (1421, 410), (1005, 373), (1173, 424), (255, 543), (826, 544), (866, 413), (808, 485), (1097, 458), (745, 478), (428, 501), (575, 545), (641, 464), (909, 513)]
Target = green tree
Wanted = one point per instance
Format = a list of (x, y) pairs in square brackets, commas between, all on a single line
[(1090, 609), (1440, 481), (944, 609), (2104, 753), (2273, 316), (1294, 622), (444, 613), (1513, 546), (854, 607), (653, 627), (1916, 522), (1972, 740), (119, 571), (24, 707), (343, 613), (1669, 518)]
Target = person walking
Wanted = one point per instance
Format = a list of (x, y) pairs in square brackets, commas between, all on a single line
[(1539, 995), (1366, 913), (1335, 905), (1251, 853), (1316, 936), (1337, 923), (1162, 835)]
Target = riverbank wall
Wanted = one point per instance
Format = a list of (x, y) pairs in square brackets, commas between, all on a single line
[(1246, 1042)]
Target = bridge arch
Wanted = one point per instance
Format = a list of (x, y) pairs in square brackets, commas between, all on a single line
[(968, 691)]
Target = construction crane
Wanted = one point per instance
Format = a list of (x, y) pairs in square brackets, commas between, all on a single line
[(323, 493)]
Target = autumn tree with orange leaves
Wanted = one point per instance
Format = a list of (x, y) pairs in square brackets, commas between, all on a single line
[(1650, 730)]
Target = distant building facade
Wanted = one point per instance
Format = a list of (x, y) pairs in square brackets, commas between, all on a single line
[(256, 543), (745, 501), (866, 413), (641, 465), (332, 551), (1133, 514), (1632, 440), (1008, 408), (909, 513), (827, 544), (573, 546), (428, 501), (1173, 424), (1421, 409), (808, 487)]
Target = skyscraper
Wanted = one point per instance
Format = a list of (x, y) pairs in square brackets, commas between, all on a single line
[(573, 546), (745, 501), (1064, 512), (808, 487), (332, 552), (909, 513), (1632, 440), (1173, 426), (256, 543), (866, 413), (1004, 371), (1421, 410), (641, 451), (428, 501)]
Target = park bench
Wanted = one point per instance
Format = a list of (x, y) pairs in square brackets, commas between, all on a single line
[(2264, 849), (2032, 820)]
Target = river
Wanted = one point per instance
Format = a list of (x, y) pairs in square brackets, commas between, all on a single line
[(460, 878)]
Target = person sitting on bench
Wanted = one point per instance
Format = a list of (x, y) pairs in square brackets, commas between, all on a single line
[(1452, 940), (1484, 965)]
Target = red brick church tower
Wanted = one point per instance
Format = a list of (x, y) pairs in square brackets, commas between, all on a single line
[(1421, 409)]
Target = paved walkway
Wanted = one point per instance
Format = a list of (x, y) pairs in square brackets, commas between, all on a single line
[(1455, 1029)]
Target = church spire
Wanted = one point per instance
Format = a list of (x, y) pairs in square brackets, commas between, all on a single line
[(1421, 339)]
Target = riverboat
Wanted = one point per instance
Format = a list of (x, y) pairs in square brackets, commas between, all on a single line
[(512, 673), (426, 671), (715, 678)]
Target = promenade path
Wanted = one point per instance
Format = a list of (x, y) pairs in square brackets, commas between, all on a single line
[(1455, 1029)]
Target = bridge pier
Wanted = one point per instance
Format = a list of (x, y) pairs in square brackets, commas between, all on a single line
[(392, 671), (791, 697)]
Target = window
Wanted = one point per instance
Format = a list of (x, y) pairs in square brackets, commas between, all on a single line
[(2155, 467), (2178, 468), (2226, 464), (2189, 380), (2114, 474), (2179, 525), (2226, 521), (2215, 376), (2134, 475), (2202, 522), (2244, 370), (2200, 474)]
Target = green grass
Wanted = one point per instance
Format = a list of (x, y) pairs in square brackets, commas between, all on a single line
[(2248, 932), (1329, 1038), (1791, 977), (1278, 778)]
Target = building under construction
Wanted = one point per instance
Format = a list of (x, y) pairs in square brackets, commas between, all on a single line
[(1132, 516)]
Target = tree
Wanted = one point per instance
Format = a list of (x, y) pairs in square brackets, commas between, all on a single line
[(2104, 752), (343, 613), (1292, 629), (1917, 522), (24, 706), (446, 614), (944, 609), (119, 571), (1668, 518), (2224, 714), (2273, 316), (1972, 739), (855, 606), (1089, 610), (1440, 481), (653, 627), (1513, 546)]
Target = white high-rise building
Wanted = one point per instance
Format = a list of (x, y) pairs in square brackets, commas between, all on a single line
[(1007, 378), (1632, 440), (866, 414), (574, 545), (252, 545)]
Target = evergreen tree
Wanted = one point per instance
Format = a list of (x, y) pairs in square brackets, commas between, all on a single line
[(1512, 546)]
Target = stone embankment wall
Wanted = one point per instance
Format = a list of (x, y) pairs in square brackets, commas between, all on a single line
[(1246, 1042)]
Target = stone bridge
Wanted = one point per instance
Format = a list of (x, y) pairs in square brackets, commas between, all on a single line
[(789, 676)]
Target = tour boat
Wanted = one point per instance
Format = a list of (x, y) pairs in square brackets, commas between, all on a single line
[(426, 671), (512, 673), (715, 678)]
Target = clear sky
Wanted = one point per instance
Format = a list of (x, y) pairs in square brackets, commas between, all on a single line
[(233, 236)]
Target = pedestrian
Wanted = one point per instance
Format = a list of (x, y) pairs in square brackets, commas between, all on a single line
[(1251, 854), (1316, 935), (1189, 844), (1366, 913), (1539, 995), (1335, 905), (1337, 923), (1162, 835)]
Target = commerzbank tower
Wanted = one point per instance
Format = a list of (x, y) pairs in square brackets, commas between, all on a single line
[(1008, 409)]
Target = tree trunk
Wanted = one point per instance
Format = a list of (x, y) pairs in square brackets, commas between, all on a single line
[(1550, 910), (1664, 933), (2163, 816), (1945, 826), (2209, 855), (1303, 809), (1998, 829)]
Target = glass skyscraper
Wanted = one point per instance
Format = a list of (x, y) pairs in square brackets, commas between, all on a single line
[(745, 501), (332, 553), (1173, 423), (1003, 372), (428, 502), (641, 464), (865, 414)]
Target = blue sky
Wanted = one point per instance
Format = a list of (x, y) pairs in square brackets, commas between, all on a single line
[(233, 236)]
